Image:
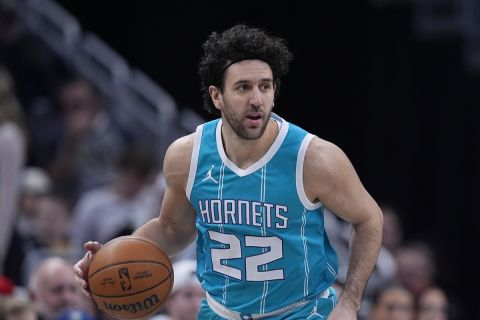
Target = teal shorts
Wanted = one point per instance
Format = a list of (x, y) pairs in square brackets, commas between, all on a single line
[(315, 309)]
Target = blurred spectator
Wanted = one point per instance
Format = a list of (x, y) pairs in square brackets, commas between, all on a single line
[(35, 70), (416, 267), (12, 146), (187, 293), (393, 303), (35, 184), (433, 305), (90, 145), (189, 252), (7, 287), (75, 314), (51, 224), (53, 288), (339, 233), (18, 309), (117, 209), (48, 236), (33, 65), (392, 228)]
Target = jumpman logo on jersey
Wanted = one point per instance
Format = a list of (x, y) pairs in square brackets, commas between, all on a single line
[(314, 314), (208, 176)]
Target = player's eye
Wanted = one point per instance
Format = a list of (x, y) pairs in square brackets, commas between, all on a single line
[(266, 86), (243, 87)]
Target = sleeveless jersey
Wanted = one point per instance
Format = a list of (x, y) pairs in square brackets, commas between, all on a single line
[(261, 243)]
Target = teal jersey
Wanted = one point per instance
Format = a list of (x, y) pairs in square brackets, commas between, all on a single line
[(261, 242)]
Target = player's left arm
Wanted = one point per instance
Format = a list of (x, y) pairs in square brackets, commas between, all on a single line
[(329, 177)]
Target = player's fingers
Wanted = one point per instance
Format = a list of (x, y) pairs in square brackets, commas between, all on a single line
[(81, 281), (80, 270), (86, 292), (92, 246), (81, 267), (77, 270)]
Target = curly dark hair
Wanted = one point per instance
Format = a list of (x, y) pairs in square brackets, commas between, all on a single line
[(235, 44)]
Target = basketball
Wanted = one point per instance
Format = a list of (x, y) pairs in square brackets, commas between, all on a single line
[(130, 278)]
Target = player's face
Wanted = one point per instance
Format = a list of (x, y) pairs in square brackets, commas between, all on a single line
[(246, 101)]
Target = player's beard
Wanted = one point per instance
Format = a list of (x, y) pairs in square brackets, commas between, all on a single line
[(237, 123)]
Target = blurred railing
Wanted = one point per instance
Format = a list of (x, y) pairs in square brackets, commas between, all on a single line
[(135, 100)]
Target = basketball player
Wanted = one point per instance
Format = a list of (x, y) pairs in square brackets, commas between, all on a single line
[(253, 187)]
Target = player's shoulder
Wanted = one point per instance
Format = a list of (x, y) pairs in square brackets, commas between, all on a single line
[(323, 149), (324, 156), (178, 155)]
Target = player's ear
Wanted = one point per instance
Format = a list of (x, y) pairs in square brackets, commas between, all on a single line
[(216, 95)]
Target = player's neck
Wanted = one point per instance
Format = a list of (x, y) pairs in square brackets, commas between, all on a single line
[(244, 152)]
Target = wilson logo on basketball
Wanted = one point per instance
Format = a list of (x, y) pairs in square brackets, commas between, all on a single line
[(125, 279), (134, 307)]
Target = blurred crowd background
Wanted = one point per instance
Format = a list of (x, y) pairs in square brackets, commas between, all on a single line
[(91, 94)]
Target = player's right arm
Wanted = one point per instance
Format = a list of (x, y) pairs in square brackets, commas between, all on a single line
[(174, 229)]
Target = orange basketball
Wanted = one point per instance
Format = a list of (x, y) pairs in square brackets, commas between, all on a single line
[(130, 277)]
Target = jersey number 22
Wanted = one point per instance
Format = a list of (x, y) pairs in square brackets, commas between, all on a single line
[(252, 263)]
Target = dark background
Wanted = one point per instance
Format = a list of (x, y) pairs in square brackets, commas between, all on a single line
[(404, 107)]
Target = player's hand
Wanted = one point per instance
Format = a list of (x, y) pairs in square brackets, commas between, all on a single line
[(81, 267)]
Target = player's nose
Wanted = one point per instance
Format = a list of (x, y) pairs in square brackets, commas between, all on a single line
[(256, 98)]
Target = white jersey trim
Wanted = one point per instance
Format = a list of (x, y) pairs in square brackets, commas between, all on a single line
[(197, 139), (299, 173), (283, 125)]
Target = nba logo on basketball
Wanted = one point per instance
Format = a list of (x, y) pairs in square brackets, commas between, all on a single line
[(125, 279)]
